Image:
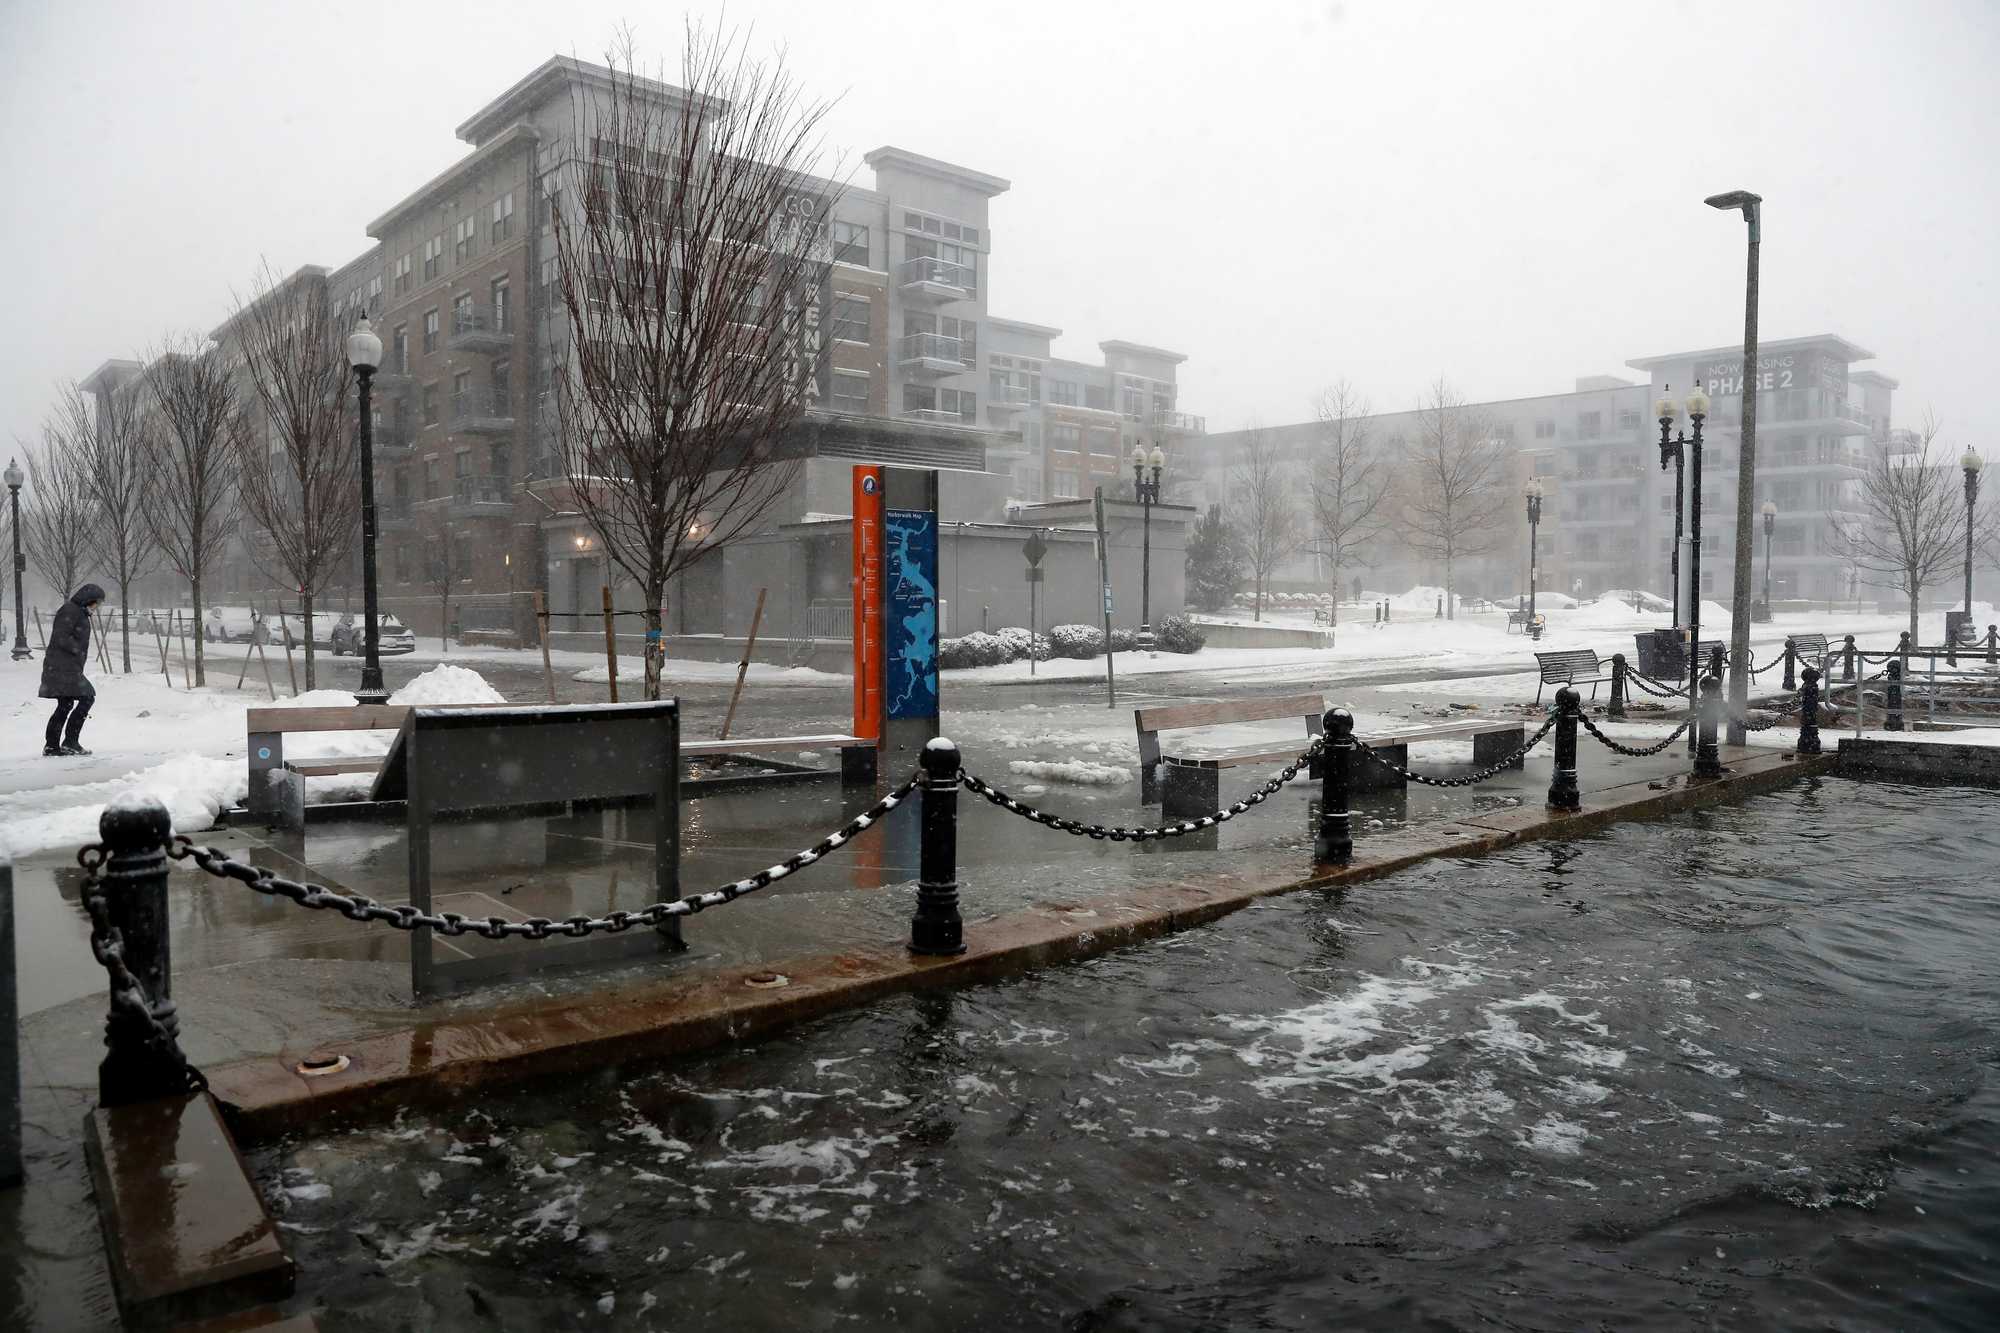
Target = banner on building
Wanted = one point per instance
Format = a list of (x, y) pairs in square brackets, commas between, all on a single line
[(910, 545), (867, 586)]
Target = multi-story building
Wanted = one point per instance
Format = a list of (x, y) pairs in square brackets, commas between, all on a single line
[(1608, 512)]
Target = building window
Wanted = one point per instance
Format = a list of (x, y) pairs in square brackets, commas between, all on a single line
[(402, 562), (1097, 396), (549, 293), (503, 385), (461, 240), (501, 460), (850, 318), (1063, 392), (932, 225), (1064, 436), (850, 391), (462, 557), (1589, 425), (1545, 430), (850, 243), (498, 293), (503, 217), (433, 251), (961, 403), (461, 397), (551, 200), (461, 463), (430, 478), (430, 331), (461, 313), (1064, 484), (967, 333), (399, 350), (402, 274), (1628, 418), (430, 402)]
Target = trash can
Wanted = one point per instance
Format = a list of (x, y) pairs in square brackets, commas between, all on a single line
[(1959, 629), (1661, 655)]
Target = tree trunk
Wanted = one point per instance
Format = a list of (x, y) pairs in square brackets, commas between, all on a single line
[(444, 621), (194, 596), (1257, 597), (125, 620), (655, 637), (1915, 593), (1333, 602), (1450, 611), (306, 628)]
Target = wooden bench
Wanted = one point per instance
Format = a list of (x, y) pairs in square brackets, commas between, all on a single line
[(1516, 618), (1491, 741), (1812, 649), (1150, 722), (277, 787), (1571, 666)]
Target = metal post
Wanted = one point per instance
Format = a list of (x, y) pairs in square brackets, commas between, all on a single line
[(1809, 711), (1563, 794), (1894, 702), (1992, 644), (1680, 498), (136, 1067), (10, 1037), (1616, 708), (1334, 842), (14, 479), (1746, 474), (1534, 571), (1791, 661), (372, 690), (1694, 573), (937, 927), (1707, 760), (1847, 659)]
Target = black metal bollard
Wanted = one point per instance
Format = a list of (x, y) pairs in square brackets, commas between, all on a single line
[(1992, 644), (138, 1066), (1563, 793), (1616, 708), (1333, 844), (1385, 610), (1707, 759), (1791, 662), (1440, 610), (1718, 661), (1847, 660), (1894, 703), (1809, 711), (937, 927), (1378, 613)]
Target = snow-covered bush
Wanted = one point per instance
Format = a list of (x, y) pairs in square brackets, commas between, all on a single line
[(976, 649), (1020, 642), (1124, 640), (1178, 634), (1076, 641)]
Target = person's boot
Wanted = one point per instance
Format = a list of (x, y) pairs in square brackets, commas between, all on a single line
[(50, 751), (72, 748)]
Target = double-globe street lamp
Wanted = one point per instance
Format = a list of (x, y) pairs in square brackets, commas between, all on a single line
[(1770, 512), (1971, 462), (364, 353), (1147, 493), (1678, 448), (1534, 495), (14, 477)]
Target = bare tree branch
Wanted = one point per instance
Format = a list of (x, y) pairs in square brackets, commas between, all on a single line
[(299, 473), (1910, 532), (120, 471), (1350, 482), (693, 263), (59, 513), (191, 422), (1457, 492)]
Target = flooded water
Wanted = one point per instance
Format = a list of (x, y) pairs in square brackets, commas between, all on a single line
[(1732, 1069)]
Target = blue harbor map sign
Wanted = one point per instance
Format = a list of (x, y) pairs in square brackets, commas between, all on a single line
[(910, 542)]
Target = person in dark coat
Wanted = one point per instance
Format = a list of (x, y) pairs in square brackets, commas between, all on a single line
[(62, 672)]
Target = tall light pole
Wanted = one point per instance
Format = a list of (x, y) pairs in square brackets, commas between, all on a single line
[(1746, 469), (364, 353), (1676, 445), (1534, 494), (14, 477), (1147, 493), (1770, 512), (1971, 462)]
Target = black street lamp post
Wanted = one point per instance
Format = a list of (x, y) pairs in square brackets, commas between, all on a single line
[(364, 353), (15, 477), (1971, 462), (1147, 493), (1677, 447), (1680, 499), (1770, 512), (1534, 494)]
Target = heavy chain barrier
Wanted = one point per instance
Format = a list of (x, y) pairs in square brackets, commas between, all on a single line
[(358, 907), (1470, 779), (1634, 751), (1659, 689), (1756, 670), (129, 1001), (979, 786)]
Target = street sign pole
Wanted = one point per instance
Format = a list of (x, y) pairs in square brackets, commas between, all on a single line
[(1104, 578), (1034, 549)]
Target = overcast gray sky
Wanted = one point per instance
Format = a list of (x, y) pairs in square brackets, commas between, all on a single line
[(1507, 194)]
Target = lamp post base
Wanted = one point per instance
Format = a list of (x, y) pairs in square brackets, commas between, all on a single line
[(1146, 642), (22, 652), (372, 691)]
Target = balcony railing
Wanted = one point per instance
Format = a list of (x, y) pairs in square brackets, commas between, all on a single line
[(1012, 395), (939, 277), (395, 512), (473, 491), (477, 411), (481, 326), (932, 351), (1186, 422)]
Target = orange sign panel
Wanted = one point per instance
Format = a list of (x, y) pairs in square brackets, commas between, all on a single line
[(867, 601)]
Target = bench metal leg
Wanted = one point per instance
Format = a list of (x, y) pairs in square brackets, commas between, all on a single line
[(1492, 747), (1149, 783), (1538, 693), (857, 766), (1188, 792), (1373, 777)]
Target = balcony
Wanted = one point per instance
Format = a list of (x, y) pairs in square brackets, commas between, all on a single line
[(392, 439), (931, 354), (482, 413), (481, 328), (481, 497), (1010, 398), (936, 280), (935, 415), (1181, 423), (393, 373), (395, 514)]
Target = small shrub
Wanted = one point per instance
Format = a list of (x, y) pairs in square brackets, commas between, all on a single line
[(1020, 643), (1178, 634), (977, 649), (954, 655), (1124, 640), (1076, 641)]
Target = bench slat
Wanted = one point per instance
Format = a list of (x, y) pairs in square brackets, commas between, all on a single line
[(1175, 717), (773, 743), (336, 717), (313, 768), (1439, 731)]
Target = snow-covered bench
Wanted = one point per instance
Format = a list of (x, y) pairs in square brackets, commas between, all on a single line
[(1150, 722), (1491, 742)]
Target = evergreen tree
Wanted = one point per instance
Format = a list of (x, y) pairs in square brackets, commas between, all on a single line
[(1214, 562)]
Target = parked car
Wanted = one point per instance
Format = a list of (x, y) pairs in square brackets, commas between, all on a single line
[(230, 624), (391, 636)]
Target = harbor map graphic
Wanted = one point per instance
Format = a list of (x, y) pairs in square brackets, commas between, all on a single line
[(913, 612)]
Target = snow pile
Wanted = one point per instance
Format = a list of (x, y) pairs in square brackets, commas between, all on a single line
[(194, 788), (448, 684), (1078, 771), (314, 699), (1648, 601), (1609, 614)]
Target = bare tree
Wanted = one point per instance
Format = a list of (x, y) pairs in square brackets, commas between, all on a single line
[(300, 475), (436, 572), (59, 515), (1457, 492), (693, 262), (1350, 481), (1910, 531), (191, 422), (1264, 512), (120, 470)]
